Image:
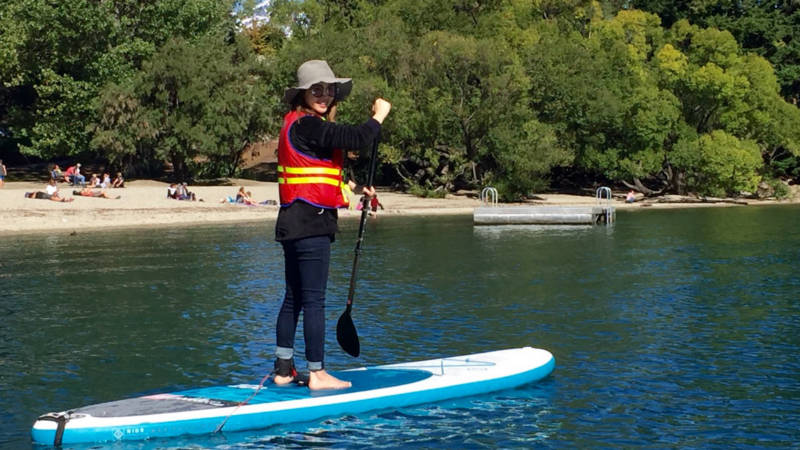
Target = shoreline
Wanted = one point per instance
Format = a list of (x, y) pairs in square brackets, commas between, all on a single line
[(143, 204)]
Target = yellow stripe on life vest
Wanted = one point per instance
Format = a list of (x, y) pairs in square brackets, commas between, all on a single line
[(310, 170), (309, 180)]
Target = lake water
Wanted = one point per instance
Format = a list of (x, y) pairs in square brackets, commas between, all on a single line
[(675, 328)]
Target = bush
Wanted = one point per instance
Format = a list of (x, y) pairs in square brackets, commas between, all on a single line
[(779, 188), (423, 192), (719, 164)]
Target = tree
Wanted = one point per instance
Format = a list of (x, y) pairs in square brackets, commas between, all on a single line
[(770, 29), (465, 91), (46, 67), (722, 89), (719, 164), (196, 104), (523, 156), (599, 91), (57, 56)]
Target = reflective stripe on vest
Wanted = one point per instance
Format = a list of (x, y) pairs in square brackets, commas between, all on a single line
[(337, 173), (308, 180), (310, 170)]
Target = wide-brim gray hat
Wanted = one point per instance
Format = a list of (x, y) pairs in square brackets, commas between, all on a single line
[(317, 71)]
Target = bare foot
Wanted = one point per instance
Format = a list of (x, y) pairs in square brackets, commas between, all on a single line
[(280, 380), (320, 379)]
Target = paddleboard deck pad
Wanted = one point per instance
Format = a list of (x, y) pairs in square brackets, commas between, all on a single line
[(211, 409)]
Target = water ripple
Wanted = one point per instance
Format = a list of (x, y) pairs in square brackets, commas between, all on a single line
[(670, 329)]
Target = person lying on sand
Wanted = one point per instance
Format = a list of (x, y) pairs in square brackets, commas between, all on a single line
[(51, 193), (88, 192), (52, 187), (240, 196), (246, 198), (45, 196)]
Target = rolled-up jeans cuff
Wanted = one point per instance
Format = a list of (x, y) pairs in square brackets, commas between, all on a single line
[(315, 365), (284, 352)]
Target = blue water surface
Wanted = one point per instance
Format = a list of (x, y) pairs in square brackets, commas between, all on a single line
[(674, 328)]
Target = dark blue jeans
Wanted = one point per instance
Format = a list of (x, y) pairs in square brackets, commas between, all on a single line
[(307, 261)]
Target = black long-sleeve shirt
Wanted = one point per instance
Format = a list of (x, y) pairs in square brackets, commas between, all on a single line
[(318, 138)]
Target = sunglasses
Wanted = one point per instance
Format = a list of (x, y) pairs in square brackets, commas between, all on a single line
[(319, 90)]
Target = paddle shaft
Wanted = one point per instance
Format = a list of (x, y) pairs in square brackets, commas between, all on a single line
[(362, 225)]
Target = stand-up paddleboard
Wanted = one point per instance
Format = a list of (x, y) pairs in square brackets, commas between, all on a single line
[(205, 410)]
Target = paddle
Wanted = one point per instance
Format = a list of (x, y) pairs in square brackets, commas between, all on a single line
[(346, 332)]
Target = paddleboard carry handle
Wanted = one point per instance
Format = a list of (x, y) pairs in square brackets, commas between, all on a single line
[(61, 420)]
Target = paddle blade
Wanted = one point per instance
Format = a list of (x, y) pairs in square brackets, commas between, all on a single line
[(347, 335)]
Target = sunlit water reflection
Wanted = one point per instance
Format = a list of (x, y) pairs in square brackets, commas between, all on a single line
[(672, 328)]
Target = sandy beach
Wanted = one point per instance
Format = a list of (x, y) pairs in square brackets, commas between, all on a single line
[(143, 203)]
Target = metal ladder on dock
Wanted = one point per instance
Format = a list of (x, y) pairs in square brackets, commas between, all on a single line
[(489, 196), (603, 198)]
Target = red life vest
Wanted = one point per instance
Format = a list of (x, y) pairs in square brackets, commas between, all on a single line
[(304, 177)]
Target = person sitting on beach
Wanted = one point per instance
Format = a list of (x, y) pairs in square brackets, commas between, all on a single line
[(241, 195), (89, 192), (94, 181), (172, 191), (69, 174), (182, 193), (3, 173), (118, 182), (77, 177), (56, 173), (106, 181), (631, 197)]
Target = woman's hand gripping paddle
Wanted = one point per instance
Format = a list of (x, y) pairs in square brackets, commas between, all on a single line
[(346, 332)]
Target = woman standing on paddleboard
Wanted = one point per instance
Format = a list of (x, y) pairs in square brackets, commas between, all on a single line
[(310, 156)]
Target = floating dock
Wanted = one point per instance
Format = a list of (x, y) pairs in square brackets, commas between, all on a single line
[(492, 214), (543, 215)]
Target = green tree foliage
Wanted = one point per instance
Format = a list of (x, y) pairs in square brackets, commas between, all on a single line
[(523, 157), (509, 93), (719, 164), (603, 95), (459, 91), (266, 39), (196, 105), (768, 28), (622, 95), (56, 56), (723, 89), (464, 89)]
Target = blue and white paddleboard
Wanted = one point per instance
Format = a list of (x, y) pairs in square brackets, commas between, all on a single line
[(204, 410)]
